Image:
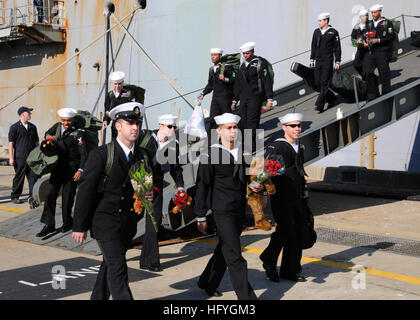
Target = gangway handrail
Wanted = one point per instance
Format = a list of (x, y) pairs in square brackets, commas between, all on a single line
[(276, 62)]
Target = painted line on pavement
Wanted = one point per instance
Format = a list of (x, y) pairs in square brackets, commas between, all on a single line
[(13, 209), (338, 265)]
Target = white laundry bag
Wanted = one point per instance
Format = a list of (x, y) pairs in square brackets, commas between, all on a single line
[(195, 125)]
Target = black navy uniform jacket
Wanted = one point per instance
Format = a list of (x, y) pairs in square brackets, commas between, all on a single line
[(72, 150), (326, 47), (359, 34), (159, 169), (246, 84), (220, 88), (226, 183), (111, 101), (110, 214), (291, 185), (24, 140), (385, 33)]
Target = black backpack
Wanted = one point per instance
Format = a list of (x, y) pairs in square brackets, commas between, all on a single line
[(232, 59), (134, 92)]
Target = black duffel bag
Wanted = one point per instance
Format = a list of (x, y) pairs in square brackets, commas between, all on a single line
[(415, 38), (306, 74), (342, 83)]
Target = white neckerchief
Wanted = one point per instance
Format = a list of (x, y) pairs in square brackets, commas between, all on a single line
[(234, 152), (117, 94), (247, 63), (323, 31), (294, 145), (376, 22), (126, 149), (215, 68)]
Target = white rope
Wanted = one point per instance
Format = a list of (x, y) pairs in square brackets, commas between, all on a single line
[(33, 85)]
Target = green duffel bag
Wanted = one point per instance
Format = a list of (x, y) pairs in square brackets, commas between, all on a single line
[(39, 163)]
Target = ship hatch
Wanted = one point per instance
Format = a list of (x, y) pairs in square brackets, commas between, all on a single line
[(36, 24)]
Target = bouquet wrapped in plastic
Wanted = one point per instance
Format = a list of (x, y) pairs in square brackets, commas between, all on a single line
[(181, 201), (141, 177), (261, 171)]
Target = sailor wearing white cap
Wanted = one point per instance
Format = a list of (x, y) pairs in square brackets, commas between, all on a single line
[(115, 97), (72, 155), (325, 52), (162, 145), (117, 77), (113, 221), (226, 182), (324, 15), (129, 111), (67, 113), (381, 46), (220, 81), (358, 38), (376, 7), (248, 46), (227, 118), (254, 84), (216, 50), (288, 206)]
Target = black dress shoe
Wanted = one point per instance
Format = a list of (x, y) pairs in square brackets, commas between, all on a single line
[(152, 268), (64, 228), (46, 230), (211, 293), (17, 201), (271, 272), (297, 278)]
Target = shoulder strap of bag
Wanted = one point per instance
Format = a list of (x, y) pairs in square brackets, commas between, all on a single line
[(146, 139), (58, 131), (108, 165)]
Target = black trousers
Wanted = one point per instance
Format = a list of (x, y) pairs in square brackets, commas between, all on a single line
[(220, 105), (228, 255), (69, 190), (250, 113), (323, 73), (286, 238), (21, 170), (112, 279), (372, 61), (358, 61), (150, 249)]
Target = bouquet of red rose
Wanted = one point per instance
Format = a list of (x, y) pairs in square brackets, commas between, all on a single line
[(181, 201), (370, 35), (273, 166)]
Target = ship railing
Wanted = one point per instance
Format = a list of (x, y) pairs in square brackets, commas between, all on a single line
[(31, 14), (403, 32)]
